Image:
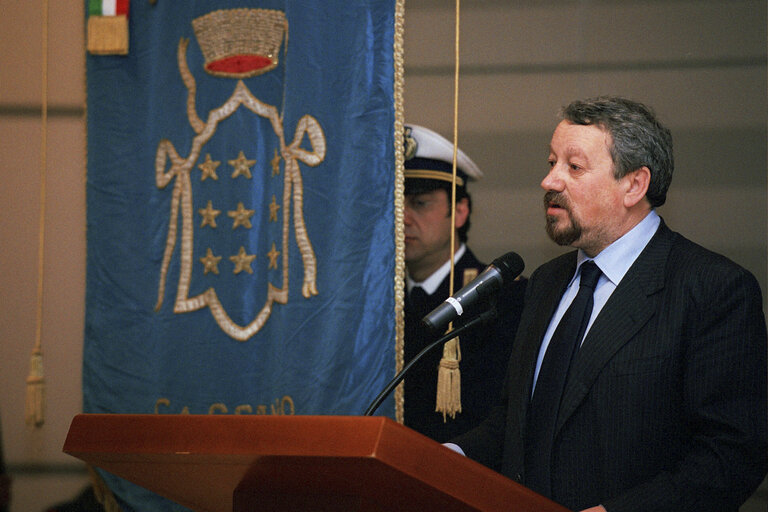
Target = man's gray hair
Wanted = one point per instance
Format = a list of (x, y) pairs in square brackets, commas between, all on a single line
[(639, 139)]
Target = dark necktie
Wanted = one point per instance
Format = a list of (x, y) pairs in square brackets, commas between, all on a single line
[(545, 404)]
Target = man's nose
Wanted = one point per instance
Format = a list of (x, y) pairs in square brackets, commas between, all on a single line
[(407, 215), (552, 180)]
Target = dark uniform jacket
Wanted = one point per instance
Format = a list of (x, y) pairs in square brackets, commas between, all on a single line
[(484, 354), (665, 404)]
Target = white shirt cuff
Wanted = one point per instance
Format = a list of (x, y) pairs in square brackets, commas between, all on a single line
[(455, 448)]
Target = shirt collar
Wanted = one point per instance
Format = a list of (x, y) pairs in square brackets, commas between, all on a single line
[(431, 283), (614, 261)]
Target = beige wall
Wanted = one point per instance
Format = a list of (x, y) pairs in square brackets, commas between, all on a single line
[(701, 64)]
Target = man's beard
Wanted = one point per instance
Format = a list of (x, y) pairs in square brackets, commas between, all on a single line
[(568, 234)]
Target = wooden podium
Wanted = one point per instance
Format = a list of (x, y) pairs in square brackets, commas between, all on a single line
[(225, 463)]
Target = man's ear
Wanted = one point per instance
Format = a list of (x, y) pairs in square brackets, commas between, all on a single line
[(636, 183), (462, 212)]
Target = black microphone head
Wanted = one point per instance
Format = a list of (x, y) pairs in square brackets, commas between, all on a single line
[(510, 265)]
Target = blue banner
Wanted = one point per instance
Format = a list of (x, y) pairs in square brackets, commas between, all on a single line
[(241, 212)]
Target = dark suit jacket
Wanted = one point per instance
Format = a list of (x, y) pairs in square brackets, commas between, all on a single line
[(665, 404), (484, 356)]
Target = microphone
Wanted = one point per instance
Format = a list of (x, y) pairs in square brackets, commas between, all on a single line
[(504, 269)]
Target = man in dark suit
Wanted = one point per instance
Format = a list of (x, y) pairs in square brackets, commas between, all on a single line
[(476, 362), (662, 403)]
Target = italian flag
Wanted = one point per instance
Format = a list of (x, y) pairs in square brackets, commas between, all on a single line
[(108, 27), (108, 7)]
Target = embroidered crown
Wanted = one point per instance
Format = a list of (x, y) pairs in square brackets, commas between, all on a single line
[(240, 43)]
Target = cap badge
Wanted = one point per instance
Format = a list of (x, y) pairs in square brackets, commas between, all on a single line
[(411, 146)]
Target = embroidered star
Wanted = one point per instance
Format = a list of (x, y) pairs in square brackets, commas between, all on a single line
[(210, 262), (241, 216), (273, 255), (209, 215), (275, 164), (241, 165), (242, 261), (209, 168), (273, 208)]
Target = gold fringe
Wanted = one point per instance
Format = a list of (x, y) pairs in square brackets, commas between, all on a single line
[(35, 403), (108, 35), (102, 492), (448, 400), (399, 203)]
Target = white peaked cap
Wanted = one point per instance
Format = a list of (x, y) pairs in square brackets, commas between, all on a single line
[(428, 144)]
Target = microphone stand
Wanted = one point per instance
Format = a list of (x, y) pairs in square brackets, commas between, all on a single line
[(480, 319)]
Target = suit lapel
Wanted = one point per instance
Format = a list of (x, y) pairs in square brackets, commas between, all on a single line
[(627, 310)]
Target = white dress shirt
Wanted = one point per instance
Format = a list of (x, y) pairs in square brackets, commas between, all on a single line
[(614, 262)]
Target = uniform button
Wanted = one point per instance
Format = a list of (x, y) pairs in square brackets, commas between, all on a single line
[(519, 477)]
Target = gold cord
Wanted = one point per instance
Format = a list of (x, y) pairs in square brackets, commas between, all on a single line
[(35, 402), (455, 142), (448, 395)]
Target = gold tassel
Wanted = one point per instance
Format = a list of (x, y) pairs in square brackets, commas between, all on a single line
[(102, 492), (448, 401), (35, 403)]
